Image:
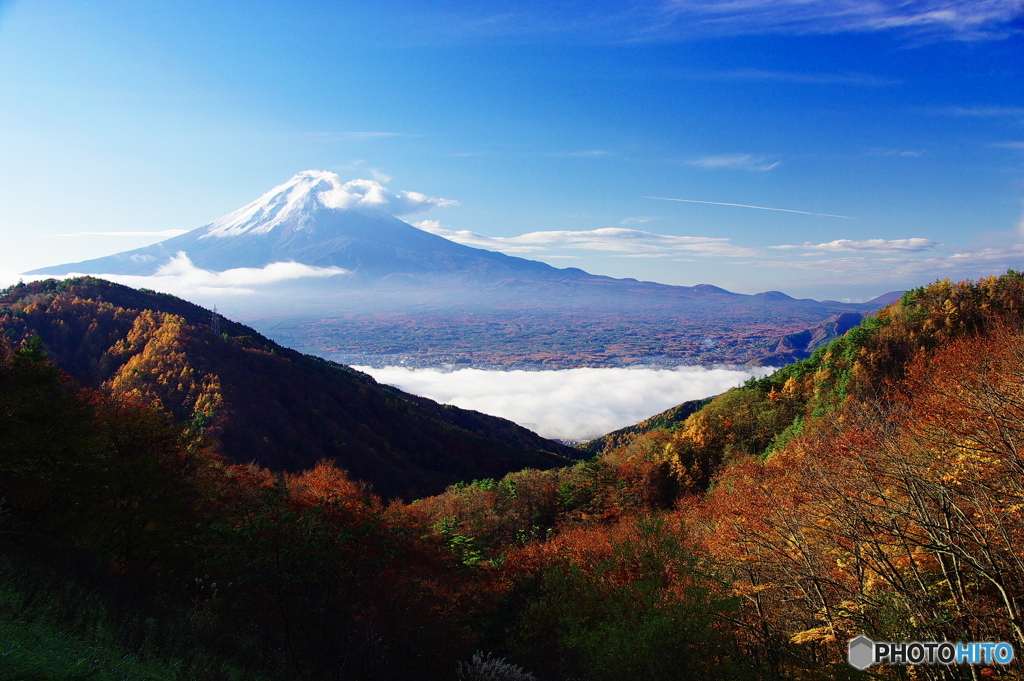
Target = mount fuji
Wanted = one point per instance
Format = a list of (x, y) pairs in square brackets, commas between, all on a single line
[(386, 290), (314, 219)]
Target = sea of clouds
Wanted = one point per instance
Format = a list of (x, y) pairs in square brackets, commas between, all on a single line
[(568, 404)]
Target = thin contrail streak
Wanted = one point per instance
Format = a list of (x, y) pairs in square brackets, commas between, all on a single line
[(744, 205)]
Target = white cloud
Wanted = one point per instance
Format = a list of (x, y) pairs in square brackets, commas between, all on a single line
[(673, 20), (747, 205), (166, 232), (866, 245), (888, 153), (571, 404), (275, 206), (434, 227), (181, 278), (10, 278), (799, 77), (641, 255), (610, 239), (907, 269), (638, 221), (956, 19), (897, 263), (735, 162), (986, 111), (353, 135), (594, 153), (373, 194)]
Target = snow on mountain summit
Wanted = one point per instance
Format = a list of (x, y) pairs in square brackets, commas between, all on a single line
[(313, 219), (312, 190)]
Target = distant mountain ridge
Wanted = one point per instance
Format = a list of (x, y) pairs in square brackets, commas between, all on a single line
[(305, 221), (399, 290), (311, 220)]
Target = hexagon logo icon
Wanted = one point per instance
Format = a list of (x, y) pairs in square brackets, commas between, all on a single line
[(862, 652)]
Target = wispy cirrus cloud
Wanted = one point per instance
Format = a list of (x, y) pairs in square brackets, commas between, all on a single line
[(982, 111), (347, 135), (747, 205), (652, 256), (608, 240), (748, 162), (675, 20), (950, 19), (889, 153), (915, 244), (592, 153), (908, 268), (164, 233), (798, 77)]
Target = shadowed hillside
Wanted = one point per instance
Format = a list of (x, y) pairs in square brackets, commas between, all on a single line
[(260, 401)]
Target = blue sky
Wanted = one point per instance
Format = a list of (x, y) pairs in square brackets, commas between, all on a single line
[(602, 135)]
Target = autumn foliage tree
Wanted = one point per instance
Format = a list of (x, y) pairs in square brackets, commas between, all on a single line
[(620, 602), (897, 517), (105, 470), (876, 488)]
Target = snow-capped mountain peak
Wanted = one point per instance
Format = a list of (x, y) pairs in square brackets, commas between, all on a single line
[(303, 192), (313, 219), (311, 190)]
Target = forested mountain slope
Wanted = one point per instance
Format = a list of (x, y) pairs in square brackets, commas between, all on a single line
[(129, 551), (666, 420), (874, 488), (262, 402)]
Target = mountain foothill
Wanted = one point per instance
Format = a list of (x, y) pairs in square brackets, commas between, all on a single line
[(259, 401)]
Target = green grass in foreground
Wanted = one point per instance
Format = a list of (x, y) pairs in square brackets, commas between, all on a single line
[(55, 629)]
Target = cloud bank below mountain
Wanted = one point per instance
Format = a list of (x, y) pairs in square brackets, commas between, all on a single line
[(182, 278), (571, 404)]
